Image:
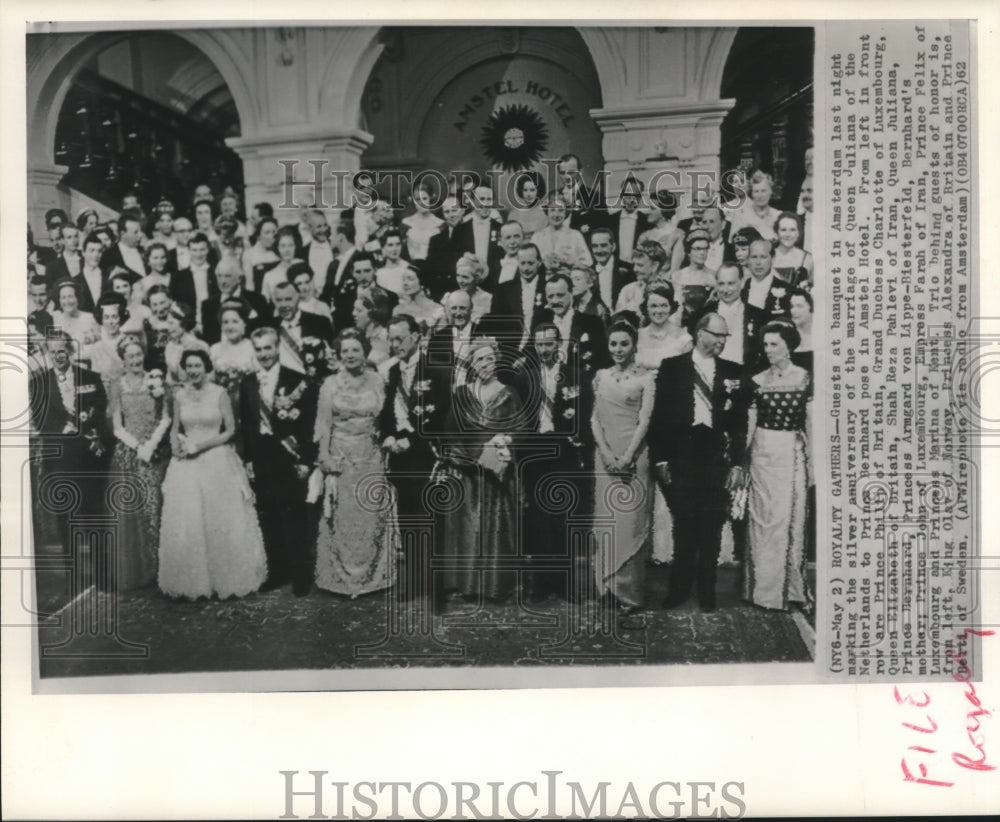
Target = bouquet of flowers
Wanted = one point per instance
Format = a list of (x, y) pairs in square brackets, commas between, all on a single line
[(229, 376), (314, 357)]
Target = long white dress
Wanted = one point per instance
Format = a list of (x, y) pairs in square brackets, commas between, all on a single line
[(210, 540)]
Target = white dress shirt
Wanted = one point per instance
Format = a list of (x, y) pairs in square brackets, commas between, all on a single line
[(268, 384), (716, 254), (132, 258), (733, 313), (606, 280), (407, 371), (94, 280), (200, 276), (508, 269), (320, 257), (565, 326), (481, 236), (550, 382), (73, 262), (702, 409), (759, 289), (626, 234), (342, 262), (184, 257)]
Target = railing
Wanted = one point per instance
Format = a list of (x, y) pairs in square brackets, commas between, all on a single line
[(116, 141)]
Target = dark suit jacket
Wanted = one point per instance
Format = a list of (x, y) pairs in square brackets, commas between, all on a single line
[(90, 429), (465, 242), (112, 259), (507, 300), (290, 443), (439, 267), (573, 402), (673, 411), (591, 338), (439, 366), (749, 331), (592, 211), (777, 305), (423, 412), (311, 325), (260, 313), (57, 269), (183, 283), (622, 274)]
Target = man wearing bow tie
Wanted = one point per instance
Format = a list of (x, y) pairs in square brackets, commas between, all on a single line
[(410, 405), (697, 435), (294, 325), (277, 418), (511, 237)]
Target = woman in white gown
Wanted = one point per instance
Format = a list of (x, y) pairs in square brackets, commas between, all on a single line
[(664, 337), (210, 541)]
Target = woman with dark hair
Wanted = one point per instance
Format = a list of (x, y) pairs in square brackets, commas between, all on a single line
[(800, 306), (210, 540), (358, 533), (414, 301), (371, 317), (180, 338), (391, 268), (694, 284), (526, 208), (156, 265), (80, 325), (139, 406), (204, 220), (422, 224), (478, 472), (791, 263), (289, 251), (774, 568), (623, 491), (111, 314), (741, 241), (261, 257)]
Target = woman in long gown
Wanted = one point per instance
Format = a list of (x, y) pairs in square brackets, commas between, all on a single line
[(233, 357), (210, 541), (483, 530), (358, 532), (140, 417), (774, 572), (661, 339), (623, 491)]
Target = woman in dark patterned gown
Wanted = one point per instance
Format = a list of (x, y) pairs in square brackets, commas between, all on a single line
[(140, 417), (774, 573), (477, 452)]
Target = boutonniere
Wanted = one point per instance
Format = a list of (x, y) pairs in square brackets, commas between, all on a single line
[(731, 385), (85, 414), (586, 355), (571, 392)]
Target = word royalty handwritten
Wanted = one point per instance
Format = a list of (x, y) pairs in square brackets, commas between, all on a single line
[(973, 726)]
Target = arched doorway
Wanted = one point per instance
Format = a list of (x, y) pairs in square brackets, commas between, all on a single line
[(770, 127), (481, 98), (69, 72)]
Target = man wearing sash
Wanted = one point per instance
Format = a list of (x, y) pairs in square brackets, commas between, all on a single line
[(277, 416), (294, 325)]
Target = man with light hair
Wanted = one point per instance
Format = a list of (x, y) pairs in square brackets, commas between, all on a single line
[(443, 251), (480, 235), (448, 346)]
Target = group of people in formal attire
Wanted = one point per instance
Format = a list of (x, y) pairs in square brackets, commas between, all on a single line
[(438, 405)]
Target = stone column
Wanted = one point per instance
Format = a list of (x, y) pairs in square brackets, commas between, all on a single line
[(320, 163), (44, 193), (672, 139)]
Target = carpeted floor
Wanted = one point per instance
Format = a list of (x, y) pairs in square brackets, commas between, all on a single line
[(277, 631)]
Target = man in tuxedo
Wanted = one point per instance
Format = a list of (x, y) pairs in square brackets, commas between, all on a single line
[(511, 238), (584, 333), (90, 279), (359, 277), (126, 253), (443, 251), (586, 205), (55, 219), (517, 306), (339, 272), (69, 263), (728, 303), (611, 272), (556, 407), (179, 257), (480, 235), (766, 296), (628, 223), (229, 278), (406, 418), (697, 436), (199, 277), (277, 418), (448, 348), (69, 413), (38, 301), (294, 325), (318, 252)]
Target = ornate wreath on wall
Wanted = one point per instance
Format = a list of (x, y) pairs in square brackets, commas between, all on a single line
[(514, 137)]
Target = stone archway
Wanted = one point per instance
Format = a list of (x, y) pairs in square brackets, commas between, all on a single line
[(53, 62)]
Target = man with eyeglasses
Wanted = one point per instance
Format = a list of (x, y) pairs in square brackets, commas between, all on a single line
[(697, 436)]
